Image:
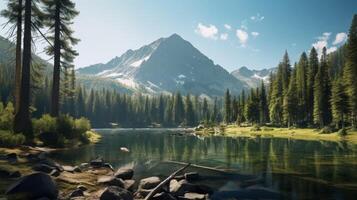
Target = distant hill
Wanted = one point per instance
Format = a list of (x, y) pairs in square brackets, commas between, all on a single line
[(165, 65)]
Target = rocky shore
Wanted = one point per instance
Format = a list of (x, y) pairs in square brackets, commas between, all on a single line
[(34, 176)]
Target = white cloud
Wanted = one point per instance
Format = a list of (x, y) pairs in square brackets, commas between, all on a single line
[(254, 34), (257, 18), (322, 41), (228, 27), (340, 38), (224, 36), (209, 31), (242, 36)]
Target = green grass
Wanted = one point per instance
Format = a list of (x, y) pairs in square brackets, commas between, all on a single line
[(294, 133)]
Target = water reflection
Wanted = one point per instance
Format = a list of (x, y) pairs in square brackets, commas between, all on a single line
[(299, 169)]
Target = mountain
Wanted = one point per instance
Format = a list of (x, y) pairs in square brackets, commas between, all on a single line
[(253, 78), (165, 65)]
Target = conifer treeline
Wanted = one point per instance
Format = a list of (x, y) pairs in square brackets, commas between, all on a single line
[(316, 92)]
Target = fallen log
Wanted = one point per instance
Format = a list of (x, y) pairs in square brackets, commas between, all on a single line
[(164, 182), (224, 171)]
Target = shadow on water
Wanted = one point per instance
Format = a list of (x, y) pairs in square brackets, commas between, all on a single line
[(295, 168)]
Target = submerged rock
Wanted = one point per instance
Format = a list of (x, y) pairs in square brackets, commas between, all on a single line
[(149, 183), (129, 185), (34, 186), (163, 196), (116, 193), (179, 188), (124, 173)]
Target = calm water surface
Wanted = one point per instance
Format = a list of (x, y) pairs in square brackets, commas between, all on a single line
[(297, 169)]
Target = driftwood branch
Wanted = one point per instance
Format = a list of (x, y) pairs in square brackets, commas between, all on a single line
[(164, 182), (224, 171)]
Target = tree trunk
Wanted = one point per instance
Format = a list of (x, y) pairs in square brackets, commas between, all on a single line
[(18, 57), (56, 66), (22, 121)]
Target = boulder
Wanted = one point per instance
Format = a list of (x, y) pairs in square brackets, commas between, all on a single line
[(76, 193), (52, 164), (111, 181), (141, 193), (124, 173), (194, 196), (84, 165), (192, 176), (43, 168), (97, 162), (116, 193), (149, 183), (34, 186)]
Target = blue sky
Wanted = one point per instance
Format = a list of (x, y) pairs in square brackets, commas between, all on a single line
[(233, 33)]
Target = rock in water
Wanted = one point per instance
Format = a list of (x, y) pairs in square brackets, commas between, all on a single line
[(149, 183), (34, 186), (124, 149), (116, 193), (124, 173), (192, 176), (97, 162)]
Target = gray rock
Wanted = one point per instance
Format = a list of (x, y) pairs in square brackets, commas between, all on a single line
[(34, 186), (76, 193), (124, 173), (116, 193), (142, 193), (192, 176), (108, 165), (84, 165), (149, 183), (52, 164), (111, 181), (43, 168), (194, 196), (179, 188)]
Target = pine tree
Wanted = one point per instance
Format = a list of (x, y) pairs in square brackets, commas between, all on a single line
[(227, 107), (22, 122), (322, 90), (189, 114), (350, 70), (301, 83), (313, 66), (339, 100), (263, 105), (290, 103), (178, 109), (59, 15)]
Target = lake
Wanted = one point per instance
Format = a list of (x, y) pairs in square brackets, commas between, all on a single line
[(297, 169)]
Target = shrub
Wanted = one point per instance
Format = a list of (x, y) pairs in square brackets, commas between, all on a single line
[(8, 139), (326, 130), (65, 126), (45, 124), (6, 116), (82, 125), (342, 132)]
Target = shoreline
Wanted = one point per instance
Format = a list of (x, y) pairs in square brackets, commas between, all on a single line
[(307, 134)]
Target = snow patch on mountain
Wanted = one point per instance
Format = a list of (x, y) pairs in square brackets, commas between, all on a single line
[(139, 62)]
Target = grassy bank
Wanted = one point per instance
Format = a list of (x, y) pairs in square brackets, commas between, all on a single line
[(272, 132)]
